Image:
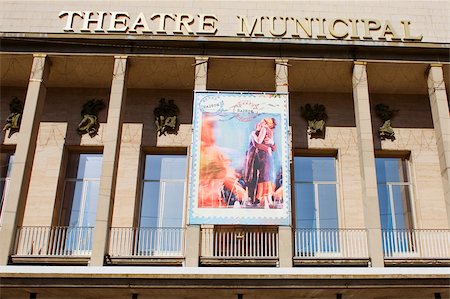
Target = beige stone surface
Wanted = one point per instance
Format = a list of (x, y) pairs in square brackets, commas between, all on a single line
[(429, 18), (128, 177), (45, 174)]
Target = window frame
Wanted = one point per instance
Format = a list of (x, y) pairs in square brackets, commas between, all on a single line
[(405, 157), (169, 151), (59, 218), (323, 153), (9, 151)]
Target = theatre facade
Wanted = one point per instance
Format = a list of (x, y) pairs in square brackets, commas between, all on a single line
[(186, 149)]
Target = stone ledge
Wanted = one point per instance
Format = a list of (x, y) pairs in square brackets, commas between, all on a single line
[(50, 260), (335, 262)]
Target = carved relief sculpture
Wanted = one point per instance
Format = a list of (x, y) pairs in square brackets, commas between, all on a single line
[(385, 114), (166, 117), (316, 118), (89, 114), (15, 117)]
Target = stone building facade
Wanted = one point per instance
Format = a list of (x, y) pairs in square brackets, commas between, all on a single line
[(373, 222)]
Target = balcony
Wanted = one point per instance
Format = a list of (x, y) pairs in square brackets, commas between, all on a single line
[(146, 245), (416, 247), (59, 244), (346, 247), (239, 246)]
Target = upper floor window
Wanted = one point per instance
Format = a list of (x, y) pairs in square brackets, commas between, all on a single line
[(163, 193), (6, 162), (316, 192), (394, 193), (81, 190)]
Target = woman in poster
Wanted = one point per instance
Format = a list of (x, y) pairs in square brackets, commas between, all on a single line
[(258, 171)]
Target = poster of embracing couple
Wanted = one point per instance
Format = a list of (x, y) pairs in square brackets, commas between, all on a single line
[(240, 159)]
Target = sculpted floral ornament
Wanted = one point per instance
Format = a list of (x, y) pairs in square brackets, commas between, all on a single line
[(166, 117), (89, 114), (15, 117), (385, 114), (316, 118)]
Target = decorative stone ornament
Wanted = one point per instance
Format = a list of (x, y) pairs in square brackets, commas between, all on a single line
[(89, 114), (316, 118), (15, 117), (166, 117), (385, 114)]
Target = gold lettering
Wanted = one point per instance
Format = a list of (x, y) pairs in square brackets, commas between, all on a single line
[(355, 34), (256, 27), (306, 30), (388, 29), (183, 20), (116, 19), (321, 33), (207, 24), (332, 28), (70, 16), (408, 36), (140, 22), (369, 26), (87, 20), (272, 31), (162, 21)]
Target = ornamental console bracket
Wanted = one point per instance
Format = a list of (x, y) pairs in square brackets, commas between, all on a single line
[(316, 117), (166, 117), (15, 116), (89, 114), (385, 114)]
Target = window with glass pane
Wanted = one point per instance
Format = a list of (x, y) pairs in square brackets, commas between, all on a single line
[(316, 204), (81, 190), (6, 161), (394, 193), (163, 193)]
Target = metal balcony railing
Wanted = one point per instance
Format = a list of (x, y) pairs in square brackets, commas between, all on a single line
[(146, 242), (246, 242), (330, 243), (417, 243), (53, 241)]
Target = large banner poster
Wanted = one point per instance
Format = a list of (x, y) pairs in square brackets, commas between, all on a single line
[(240, 159)]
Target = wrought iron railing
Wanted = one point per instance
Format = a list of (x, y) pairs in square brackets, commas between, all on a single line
[(146, 242), (245, 242), (53, 241), (330, 243), (416, 243)]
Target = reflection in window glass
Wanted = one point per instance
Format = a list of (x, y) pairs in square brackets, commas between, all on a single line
[(6, 162), (81, 190), (394, 193), (315, 192), (163, 191)]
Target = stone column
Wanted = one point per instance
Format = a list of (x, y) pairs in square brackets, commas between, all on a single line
[(285, 250), (111, 146), (441, 123), (24, 155), (192, 238), (367, 163)]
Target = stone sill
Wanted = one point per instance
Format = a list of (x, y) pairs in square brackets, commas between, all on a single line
[(50, 260), (334, 262), (416, 262), (236, 261), (147, 261)]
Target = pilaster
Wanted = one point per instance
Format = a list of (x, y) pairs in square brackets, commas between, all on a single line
[(367, 163), (112, 138), (24, 155), (441, 122)]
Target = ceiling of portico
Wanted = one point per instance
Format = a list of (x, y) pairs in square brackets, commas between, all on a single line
[(320, 76), (397, 78), (81, 71), (15, 69), (161, 72), (241, 74)]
